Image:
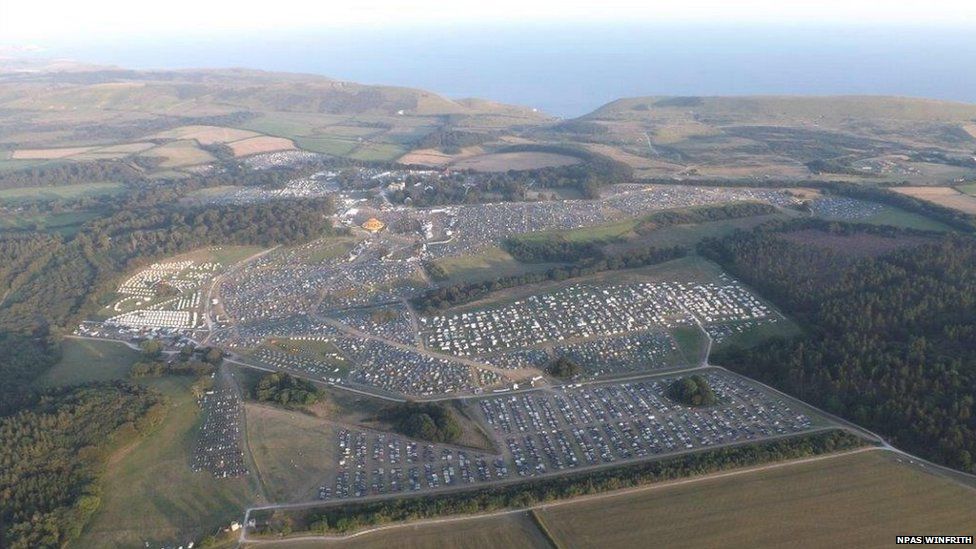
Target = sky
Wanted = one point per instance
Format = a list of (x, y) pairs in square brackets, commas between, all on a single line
[(24, 22)]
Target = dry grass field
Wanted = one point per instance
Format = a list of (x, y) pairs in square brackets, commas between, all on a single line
[(943, 196), (48, 154), (179, 154), (434, 157), (515, 530), (502, 162), (290, 451), (260, 144), (207, 135), (859, 500)]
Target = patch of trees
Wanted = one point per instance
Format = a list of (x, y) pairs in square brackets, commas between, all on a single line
[(450, 296), (692, 390), (452, 141), (286, 390), (354, 516), (435, 271), (735, 210), (68, 173), (552, 249), (188, 362), (564, 367), (52, 452), (431, 421), (889, 339)]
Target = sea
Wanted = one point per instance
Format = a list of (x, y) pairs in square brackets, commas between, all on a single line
[(568, 70)]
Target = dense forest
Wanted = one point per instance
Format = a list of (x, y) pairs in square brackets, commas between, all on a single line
[(354, 516), (450, 296), (51, 453), (889, 341)]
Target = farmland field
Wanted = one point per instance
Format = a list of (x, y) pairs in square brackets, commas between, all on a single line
[(27, 194), (207, 135), (943, 196), (969, 189), (514, 530), (502, 162), (178, 154), (260, 144), (860, 500), (900, 218), (48, 154)]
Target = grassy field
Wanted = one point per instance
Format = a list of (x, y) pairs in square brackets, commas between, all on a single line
[(757, 334), (515, 530), (860, 500), (900, 218), (691, 343), (969, 189), (679, 235), (81, 190), (491, 263), (65, 223), (86, 360), (291, 450), (326, 145), (150, 494)]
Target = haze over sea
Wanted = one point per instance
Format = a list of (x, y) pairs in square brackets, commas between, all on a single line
[(569, 70)]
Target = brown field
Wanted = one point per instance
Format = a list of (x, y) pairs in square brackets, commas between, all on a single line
[(179, 154), (514, 530), (207, 135), (859, 245), (434, 157), (857, 500), (261, 144), (290, 450), (943, 196), (502, 162), (48, 154), (632, 160), (970, 129)]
